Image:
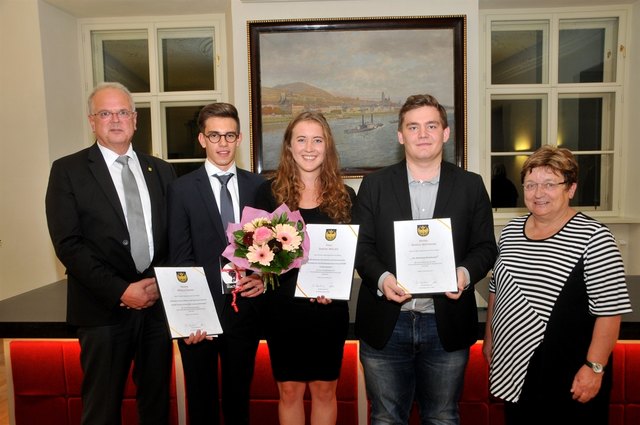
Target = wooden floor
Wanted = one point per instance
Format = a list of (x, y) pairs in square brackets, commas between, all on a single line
[(4, 409)]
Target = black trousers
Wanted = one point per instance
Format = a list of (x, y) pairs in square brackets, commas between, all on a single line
[(236, 351), (107, 354)]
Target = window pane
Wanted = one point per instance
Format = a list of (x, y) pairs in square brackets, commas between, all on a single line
[(506, 190), (142, 137), (181, 132), (587, 51), (122, 56), (516, 124), (519, 53), (187, 59), (595, 182), (585, 122)]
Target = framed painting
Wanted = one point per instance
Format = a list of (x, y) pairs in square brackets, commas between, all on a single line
[(358, 72)]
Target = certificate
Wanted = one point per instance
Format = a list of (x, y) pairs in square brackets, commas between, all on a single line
[(332, 253), (187, 301), (425, 262)]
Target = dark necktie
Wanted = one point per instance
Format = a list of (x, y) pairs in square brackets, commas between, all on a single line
[(226, 204), (135, 217)]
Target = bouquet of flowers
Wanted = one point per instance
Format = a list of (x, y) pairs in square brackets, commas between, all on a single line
[(270, 243)]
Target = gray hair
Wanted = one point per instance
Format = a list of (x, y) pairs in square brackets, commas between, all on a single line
[(110, 85)]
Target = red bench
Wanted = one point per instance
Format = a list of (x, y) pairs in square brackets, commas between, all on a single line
[(477, 407), (43, 378)]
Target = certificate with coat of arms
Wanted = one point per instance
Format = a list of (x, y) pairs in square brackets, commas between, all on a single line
[(425, 262), (332, 254), (187, 301)]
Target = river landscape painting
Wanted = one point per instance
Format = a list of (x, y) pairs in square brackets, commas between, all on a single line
[(358, 73)]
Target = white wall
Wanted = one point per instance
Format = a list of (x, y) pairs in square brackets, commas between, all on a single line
[(26, 256), (63, 95), (632, 156)]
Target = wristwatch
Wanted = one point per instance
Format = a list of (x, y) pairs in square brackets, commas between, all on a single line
[(595, 367)]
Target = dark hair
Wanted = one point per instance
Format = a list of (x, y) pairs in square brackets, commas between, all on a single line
[(286, 186), (418, 101), (558, 160), (218, 109)]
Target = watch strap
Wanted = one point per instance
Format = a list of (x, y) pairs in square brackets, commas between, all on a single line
[(596, 367)]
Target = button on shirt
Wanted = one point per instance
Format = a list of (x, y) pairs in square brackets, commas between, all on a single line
[(423, 202), (115, 170)]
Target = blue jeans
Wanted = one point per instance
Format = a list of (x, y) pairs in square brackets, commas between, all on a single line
[(413, 366)]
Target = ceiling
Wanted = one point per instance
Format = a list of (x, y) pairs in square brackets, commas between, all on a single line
[(114, 8), (103, 8)]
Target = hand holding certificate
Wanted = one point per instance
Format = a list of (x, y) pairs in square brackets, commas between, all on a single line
[(329, 271), (425, 262), (187, 301)]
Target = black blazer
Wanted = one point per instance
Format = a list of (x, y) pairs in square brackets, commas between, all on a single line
[(196, 235), (383, 198), (89, 232)]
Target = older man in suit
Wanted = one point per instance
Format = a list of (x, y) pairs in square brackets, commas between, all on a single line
[(417, 347), (197, 237), (112, 295)]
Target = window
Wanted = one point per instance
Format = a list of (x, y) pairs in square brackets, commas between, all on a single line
[(173, 67), (554, 79)]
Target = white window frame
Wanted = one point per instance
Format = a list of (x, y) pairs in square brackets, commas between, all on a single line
[(553, 90), (155, 98)]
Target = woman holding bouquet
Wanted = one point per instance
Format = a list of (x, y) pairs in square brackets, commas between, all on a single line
[(306, 336)]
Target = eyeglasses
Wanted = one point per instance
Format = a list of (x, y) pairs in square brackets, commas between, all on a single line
[(215, 137), (547, 186), (122, 114)]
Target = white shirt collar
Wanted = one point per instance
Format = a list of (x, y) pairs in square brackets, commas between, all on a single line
[(434, 180), (212, 169), (110, 156)]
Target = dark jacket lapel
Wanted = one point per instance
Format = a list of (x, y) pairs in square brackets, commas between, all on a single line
[(98, 168), (398, 185), (243, 192), (446, 189), (203, 186)]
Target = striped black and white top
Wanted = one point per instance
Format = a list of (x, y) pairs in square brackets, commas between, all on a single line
[(527, 280)]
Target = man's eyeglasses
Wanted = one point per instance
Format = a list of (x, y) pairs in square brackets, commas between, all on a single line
[(547, 186), (215, 137), (122, 114)]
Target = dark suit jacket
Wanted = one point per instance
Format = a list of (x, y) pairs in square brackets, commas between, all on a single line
[(89, 233), (383, 198), (196, 235)]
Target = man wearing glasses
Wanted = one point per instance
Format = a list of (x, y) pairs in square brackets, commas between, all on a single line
[(201, 204), (105, 209)]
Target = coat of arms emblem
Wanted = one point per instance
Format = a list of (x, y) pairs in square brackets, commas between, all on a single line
[(330, 234), (423, 230)]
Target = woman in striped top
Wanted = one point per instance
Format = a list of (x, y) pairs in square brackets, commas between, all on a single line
[(555, 303)]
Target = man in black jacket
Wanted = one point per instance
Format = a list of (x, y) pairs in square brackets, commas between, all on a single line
[(197, 237), (417, 347), (112, 296)]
